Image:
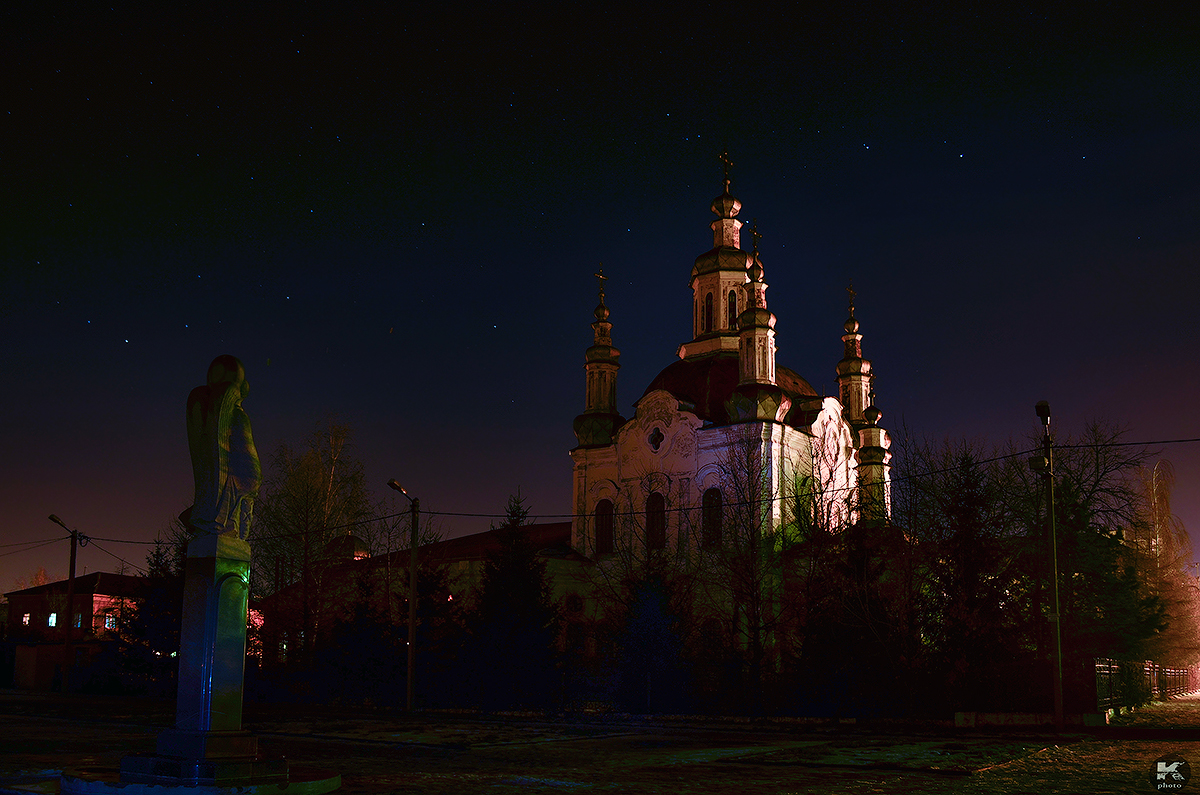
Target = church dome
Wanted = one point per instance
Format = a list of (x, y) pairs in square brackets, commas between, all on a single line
[(347, 547), (707, 382), (722, 258), (725, 206)]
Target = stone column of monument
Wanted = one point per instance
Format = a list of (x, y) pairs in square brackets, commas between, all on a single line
[(208, 745)]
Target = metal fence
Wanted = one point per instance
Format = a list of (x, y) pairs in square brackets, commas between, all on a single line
[(1129, 683)]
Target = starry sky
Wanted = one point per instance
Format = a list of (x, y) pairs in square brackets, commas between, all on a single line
[(394, 217)]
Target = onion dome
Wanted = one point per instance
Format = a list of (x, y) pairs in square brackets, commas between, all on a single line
[(756, 268), (725, 206), (346, 548), (722, 258), (726, 254)]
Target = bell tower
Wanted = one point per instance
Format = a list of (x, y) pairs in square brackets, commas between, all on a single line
[(717, 279), (757, 397), (600, 420), (853, 372)]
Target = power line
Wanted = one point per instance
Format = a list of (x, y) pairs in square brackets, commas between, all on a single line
[(23, 543), (118, 557), (814, 492), (123, 541), (1124, 444), (29, 549)]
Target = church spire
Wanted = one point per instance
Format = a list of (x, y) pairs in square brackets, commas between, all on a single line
[(756, 325), (717, 278), (873, 458), (600, 419), (856, 386), (757, 397), (853, 371)]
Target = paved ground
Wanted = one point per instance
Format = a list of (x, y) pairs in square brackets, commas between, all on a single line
[(41, 735)]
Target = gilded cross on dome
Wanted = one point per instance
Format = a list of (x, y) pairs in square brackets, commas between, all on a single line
[(726, 164), (850, 290), (602, 279), (754, 236)]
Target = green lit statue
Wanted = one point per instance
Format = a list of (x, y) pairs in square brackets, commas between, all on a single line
[(224, 461)]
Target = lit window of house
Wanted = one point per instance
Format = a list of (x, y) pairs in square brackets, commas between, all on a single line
[(78, 620), (25, 620), (110, 621), (53, 620)]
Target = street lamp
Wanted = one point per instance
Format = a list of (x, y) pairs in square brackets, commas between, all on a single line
[(415, 506), (1044, 465)]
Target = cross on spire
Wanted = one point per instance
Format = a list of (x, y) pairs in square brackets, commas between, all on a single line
[(850, 290), (754, 236), (602, 279), (726, 164)]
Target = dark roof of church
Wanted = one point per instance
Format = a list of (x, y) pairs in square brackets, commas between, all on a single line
[(347, 547), (706, 382), (552, 540)]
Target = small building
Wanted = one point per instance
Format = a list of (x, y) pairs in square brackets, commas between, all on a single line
[(44, 636)]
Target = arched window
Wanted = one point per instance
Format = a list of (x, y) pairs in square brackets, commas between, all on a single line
[(710, 521), (656, 522), (604, 528), (708, 313), (732, 307)]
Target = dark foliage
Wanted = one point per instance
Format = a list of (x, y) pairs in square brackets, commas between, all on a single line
[(515, 626), (653, 670), (148, 636)]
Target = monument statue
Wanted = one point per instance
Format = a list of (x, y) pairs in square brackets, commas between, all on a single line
[(224, 462), (208, 752)]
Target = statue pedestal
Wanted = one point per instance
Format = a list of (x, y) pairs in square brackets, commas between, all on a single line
[(208, 747)]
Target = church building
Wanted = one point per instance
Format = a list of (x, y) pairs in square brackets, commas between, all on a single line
[(724, 430)]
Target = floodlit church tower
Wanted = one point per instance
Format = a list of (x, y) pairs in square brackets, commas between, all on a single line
[(853, 372), (667, 480), (874, 471), (855, 385), (717, 281), (756, 396), (600, 420)]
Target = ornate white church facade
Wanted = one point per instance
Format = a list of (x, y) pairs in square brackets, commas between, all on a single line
[(724, 431)]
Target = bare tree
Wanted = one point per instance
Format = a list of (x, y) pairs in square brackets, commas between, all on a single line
[(311, 496)]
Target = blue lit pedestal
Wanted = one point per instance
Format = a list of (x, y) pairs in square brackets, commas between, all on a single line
[(208, 750)]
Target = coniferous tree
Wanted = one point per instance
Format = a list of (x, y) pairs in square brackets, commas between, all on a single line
[(148, 635), (516, 623)]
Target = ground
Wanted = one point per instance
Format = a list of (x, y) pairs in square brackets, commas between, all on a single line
[(378, 753)]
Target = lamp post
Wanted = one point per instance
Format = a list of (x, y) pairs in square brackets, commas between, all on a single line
[(1044, 464), (77, 540), (415, 514)]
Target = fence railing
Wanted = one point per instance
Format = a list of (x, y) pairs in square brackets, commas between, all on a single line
[(1129, 683)]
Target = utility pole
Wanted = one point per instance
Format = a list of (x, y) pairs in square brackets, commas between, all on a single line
[(1045, 465), (69, 638), (415, 516)]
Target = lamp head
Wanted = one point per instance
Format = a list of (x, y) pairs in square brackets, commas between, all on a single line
[(59, 522), (1043, 411), (394, 484)]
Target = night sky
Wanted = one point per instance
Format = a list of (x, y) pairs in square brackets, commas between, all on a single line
[(394, 217)]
